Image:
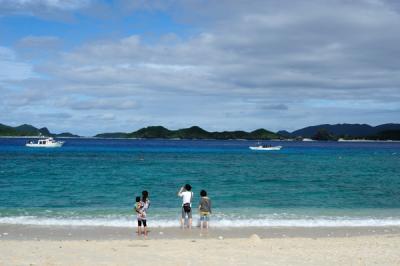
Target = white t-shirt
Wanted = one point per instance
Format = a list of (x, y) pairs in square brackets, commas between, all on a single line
[(186, 197)]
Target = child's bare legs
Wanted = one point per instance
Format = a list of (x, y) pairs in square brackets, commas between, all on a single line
[(182, 223), (190, 223), (189, 214)]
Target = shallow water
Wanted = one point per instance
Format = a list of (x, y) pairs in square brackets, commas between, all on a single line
[(95, 181)]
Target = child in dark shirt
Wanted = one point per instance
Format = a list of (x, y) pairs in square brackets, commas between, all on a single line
[(205, 209)]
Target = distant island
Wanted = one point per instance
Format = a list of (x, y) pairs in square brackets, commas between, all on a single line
[(30, 131), (194, 132), (323, 132), (388, 131)]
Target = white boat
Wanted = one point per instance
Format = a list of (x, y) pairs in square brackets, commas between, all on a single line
[(265, 148), (354, 140), (45, 143)]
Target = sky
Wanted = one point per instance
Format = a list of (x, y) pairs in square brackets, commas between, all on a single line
[(87, 66)]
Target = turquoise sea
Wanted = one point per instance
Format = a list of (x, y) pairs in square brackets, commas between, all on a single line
[(95, 181)]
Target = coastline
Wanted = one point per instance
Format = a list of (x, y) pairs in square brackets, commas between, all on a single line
[(39, 232), (228, 139)]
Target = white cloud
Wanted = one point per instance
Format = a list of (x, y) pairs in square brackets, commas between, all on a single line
[(241, 63), (103, 104), (313, 50), (40, 42), (29, 5), (11, 68), (49, 9)]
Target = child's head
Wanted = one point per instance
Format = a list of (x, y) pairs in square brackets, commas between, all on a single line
[(203, 193), (188, 187), (137, 199), (145, 195)]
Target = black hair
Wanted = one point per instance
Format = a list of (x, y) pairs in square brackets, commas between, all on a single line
[(203, 193), (137, 199), (145, 195), (188, 187)]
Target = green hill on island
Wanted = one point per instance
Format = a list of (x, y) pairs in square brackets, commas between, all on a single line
[(29, 131), (389, 131), (387, 134), (346, 131), (194, 132), (319, 132)]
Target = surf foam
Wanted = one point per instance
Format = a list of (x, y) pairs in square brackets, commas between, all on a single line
[(126, 222)]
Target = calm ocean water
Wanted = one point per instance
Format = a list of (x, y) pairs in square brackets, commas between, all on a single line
[(95, 181)]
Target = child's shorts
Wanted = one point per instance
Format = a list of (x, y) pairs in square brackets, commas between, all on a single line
[(204, 216), (188, 214), (140, 221)]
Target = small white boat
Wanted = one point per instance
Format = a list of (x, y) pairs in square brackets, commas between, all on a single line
[(45, 143), (265, 148)]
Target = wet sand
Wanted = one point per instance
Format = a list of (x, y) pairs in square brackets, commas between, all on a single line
[(34, 232)]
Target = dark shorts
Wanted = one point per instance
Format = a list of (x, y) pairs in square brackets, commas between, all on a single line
[(139, 223), (188, 214)]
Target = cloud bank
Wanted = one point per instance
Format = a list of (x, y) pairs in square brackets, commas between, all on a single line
[(272, 64)]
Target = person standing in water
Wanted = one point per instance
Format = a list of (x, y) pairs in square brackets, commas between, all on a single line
[(187, 195), (145, 202), (205, 209), (139, 215)]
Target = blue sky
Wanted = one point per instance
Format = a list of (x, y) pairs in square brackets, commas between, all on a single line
[(89, 66)]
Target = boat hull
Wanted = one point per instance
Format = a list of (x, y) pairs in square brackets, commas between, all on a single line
[(274, 148), (51, 145)]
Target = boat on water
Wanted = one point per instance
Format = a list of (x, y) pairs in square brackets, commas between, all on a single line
[(354, 140), (265, 148), (45, 143)]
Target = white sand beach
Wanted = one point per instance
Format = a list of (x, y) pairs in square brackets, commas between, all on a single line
[(309, 249), (366, 250)]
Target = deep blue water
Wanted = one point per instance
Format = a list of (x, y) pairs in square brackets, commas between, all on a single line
[(94, 181)]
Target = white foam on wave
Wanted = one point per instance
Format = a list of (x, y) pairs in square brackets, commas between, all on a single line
[(126, 222), (32, 220)]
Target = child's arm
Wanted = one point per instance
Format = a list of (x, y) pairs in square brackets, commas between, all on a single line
[(138, 209), (180, 192)]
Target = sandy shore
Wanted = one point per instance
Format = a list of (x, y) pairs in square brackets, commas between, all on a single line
[(63, 245), (35, 232), (362, 250)]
